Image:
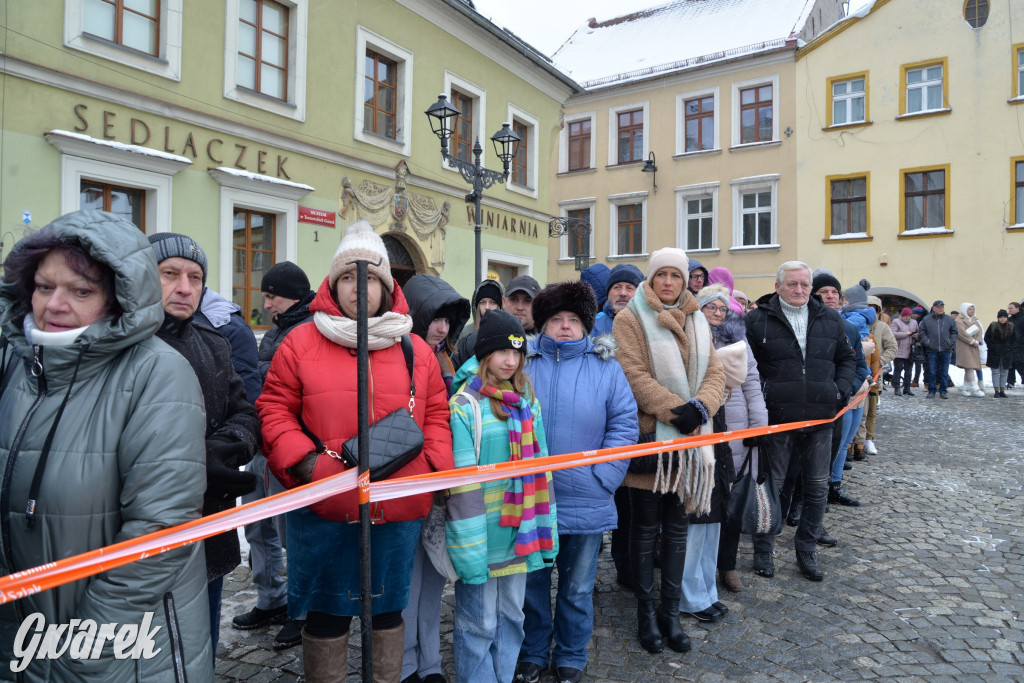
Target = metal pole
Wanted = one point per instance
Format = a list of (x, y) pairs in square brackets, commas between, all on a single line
[(363, 413), (477, 195)]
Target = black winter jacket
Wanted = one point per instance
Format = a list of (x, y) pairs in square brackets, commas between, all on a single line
[(283, 324), (794, 388), (1018, 339), (228, 415), (1000, 348)]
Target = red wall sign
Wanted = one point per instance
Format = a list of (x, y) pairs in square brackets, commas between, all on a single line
[(316, 216)]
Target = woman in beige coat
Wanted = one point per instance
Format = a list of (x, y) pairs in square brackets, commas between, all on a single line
[(969, 337), (666, 351)]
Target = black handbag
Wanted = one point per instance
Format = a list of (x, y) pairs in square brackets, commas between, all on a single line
[(645, 464), (753, 503), (395, 439)]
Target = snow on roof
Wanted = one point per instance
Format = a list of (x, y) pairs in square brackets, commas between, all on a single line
[(135, 149), (677, 35), (264, 178)]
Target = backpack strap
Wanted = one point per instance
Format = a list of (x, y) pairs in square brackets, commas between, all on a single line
[(477, 422), (409, 364)]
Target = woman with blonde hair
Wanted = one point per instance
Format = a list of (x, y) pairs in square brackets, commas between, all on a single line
[(500, 530), (666, 351)]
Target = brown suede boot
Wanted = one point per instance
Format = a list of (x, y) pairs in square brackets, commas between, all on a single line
[(388, 648), (731, 580), (325, 660)]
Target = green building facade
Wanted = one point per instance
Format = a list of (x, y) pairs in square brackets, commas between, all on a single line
[(263, 128)]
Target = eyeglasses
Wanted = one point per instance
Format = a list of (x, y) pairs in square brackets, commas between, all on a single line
[(710, 308)]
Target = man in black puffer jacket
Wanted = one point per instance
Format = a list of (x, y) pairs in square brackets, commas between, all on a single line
[(232, 426), (286, 294), (807, 372)]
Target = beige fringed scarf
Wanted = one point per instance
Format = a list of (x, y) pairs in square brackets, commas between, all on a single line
[(690, 473), (382, 331)]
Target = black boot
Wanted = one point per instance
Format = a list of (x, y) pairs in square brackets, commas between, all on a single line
[(671, 629), (647, 627), (836, 495), (796, 510), (808, 563)]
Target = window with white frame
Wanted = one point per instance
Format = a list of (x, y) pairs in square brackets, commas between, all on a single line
[(258, 227), (383, 111), (627, 224), (848, 101), (576, 143), (755, 211), (142, 34), (755, 111), (265, 45), (522, 171), (471, 101), (924, 87), (628, 133), (571, 244), (697, 217), (1020, 72), (133, 181)]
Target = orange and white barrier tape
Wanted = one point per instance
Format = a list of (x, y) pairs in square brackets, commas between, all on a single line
[(30, 581)]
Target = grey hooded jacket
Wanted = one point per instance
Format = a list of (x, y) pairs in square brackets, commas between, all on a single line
[(127, 458)]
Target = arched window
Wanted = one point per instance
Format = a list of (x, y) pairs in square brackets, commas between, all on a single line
[(976, 12)]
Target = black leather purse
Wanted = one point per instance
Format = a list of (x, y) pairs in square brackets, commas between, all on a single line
[(395, 439), (753, 506)]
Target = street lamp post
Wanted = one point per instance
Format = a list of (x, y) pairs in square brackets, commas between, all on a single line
[(443, 116), (564, 226)]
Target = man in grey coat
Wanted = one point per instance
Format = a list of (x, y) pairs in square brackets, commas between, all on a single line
[(938, 336)]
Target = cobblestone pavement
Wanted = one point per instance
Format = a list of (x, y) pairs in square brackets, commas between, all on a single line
[(927, 582)]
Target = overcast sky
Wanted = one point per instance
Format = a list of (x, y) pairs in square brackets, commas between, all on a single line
[(546, 24)]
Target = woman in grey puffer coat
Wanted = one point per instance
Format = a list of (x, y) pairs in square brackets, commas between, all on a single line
[(102, 426)]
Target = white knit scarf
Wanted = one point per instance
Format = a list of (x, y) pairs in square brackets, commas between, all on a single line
[(694, 468), (381, 331)]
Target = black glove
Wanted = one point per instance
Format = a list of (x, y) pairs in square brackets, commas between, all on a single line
[(227, 482), (758, 441), (689, 418), (223, 480), (227, 451)]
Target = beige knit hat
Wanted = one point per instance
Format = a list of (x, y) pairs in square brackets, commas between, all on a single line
[(671, 257), (361, 242)]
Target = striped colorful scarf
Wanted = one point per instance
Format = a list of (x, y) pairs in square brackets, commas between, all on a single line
[(526, 498)]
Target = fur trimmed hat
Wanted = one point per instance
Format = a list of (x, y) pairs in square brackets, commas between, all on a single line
[(575, 297), (361, 242)]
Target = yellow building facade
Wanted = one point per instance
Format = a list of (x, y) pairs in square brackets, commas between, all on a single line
[(263, 128), (910, 167), (719, 126)]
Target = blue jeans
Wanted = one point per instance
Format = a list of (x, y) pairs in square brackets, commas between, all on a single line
[(574, 605), (214, 590), (699, 590), (938, 371), (488, 628), (266, 539), (422, 617), (851, 421)]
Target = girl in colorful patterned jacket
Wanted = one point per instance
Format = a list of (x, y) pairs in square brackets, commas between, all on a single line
[(498, 531)]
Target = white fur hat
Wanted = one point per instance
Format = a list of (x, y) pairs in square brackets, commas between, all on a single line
[(361, 242)]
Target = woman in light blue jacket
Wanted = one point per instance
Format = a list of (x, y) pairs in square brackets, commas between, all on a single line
[(587, 404)]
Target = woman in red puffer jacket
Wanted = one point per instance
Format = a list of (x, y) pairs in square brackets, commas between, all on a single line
[(313, 376)]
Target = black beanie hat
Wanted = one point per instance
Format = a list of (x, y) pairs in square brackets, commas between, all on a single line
[(823, 278), (625, 272), (488, 289), (285, 279), (575, 297), (499, 330)]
